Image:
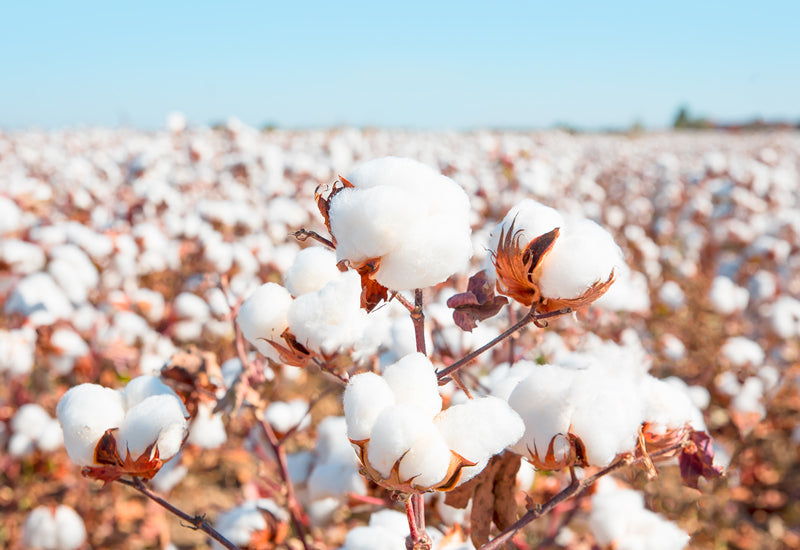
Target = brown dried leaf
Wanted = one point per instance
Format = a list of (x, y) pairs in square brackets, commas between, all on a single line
[(372, 292), (505, 505), (697, 460), (478, 303), (193, 375), (324, 202)]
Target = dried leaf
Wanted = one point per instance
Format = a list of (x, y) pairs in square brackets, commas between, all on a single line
[(324, 202), (697, 460), (505, 505), (478, 303), (193, 374), (372, 292)]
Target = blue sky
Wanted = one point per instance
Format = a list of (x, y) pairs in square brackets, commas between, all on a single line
[(441, 65)]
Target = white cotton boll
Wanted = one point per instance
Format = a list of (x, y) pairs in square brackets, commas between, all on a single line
[(763, 285), (38, 292), (479, 429), (584, 254), (749, 398), (10, 216), (70, 529), (332, 441), (283, 416), (373, 538), (263, 316), (413, 381), (21, 445), (366, 395), (217, 302), (158, 420), (785, 317), (40, 530), (770, 376), (311, 270), (299, 466), (395, 431), (30, 420), (542, 401), (330, 319), (335, 479), (22, 257), (207, 430), (427, 460), (74, 272), (530, 219), (238, 524), (142, 387), (191, 306), (502, 379), (742, 351), (187, 330), (85, 412), (70, 346), (698, 395), (727, 383), (17, 350), (673, 347), (619, 518), (668, 406), (672, 295), (51, 437), (415, 219), (726, 297)]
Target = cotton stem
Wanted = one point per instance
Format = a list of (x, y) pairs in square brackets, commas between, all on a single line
[(195, 522), (529, 317)]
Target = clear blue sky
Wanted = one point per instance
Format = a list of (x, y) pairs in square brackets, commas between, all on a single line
[(409, 64)]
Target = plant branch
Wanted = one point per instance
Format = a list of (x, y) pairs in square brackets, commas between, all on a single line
[(529, 317), (197, 522), (418, 319), (304, 234), (574, 488)]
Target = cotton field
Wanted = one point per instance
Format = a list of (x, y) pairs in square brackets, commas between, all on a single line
[(267, 329)]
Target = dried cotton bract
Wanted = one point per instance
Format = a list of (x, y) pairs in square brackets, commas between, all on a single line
[(549, 261), (407, 443), (407, 220)]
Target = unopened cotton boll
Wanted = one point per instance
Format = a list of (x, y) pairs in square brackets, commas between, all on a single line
[(59, 528), (311, 270), (159, 421), (408, 215), (85, 412), (263, 317)]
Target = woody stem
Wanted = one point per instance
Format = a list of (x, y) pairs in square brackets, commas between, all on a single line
[(196, 522), (527, 319), (416, 501)]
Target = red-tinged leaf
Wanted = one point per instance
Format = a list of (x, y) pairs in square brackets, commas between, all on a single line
[(478, 303), (697, 460)]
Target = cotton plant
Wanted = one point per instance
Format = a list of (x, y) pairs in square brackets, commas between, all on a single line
[(54, 528)]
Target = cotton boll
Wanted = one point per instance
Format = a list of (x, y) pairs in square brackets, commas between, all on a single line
[(74, 272), (366, 395), (785, 317), (671, 294), (54, 529), (283, 416), (673, 347), (37, 427), (726, 297), (479, 429), (335, 479), (531, 219), (373, 538), (169, 475), (10, 216), (542, 401), (299, 466), (584, 254), (158, 420), (312, 269), (330, 319), (263, 317), (238, 524), (39, 294), (191, 306), (741, 351), (142, 387), (22, 257), (427, 460), (332, 441), (207, 430), (71, 347), (413, 381), (668, 406), (17, 350), (395, 431), (85, 412)]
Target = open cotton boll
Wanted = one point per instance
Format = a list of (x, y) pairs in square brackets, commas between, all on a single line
[(169, 475), (283, 416), (207, 430), (373, 538), (727, 297), (17, 350), (479, 429), (311, 270), (240, 523), (21, 256), (70, 347), (191, 306), (668, 406), (742, 351), (395, 431), (531, 219), (427, 460), (263, 316), (330, 319), (413, 381), (365, 397), (619, 518), (335, 479), (542, 401), (584, 254), (785, 317), (85, 412), (142, 387), (407, 214), (158, 420), (54, 529), (39, 298)]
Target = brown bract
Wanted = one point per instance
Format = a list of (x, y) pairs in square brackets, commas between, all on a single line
[(407, 486), (323, 194), (112, 466), (519, 269), (293, 353)]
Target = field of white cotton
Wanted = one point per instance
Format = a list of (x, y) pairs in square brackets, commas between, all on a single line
[(268, 330)]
